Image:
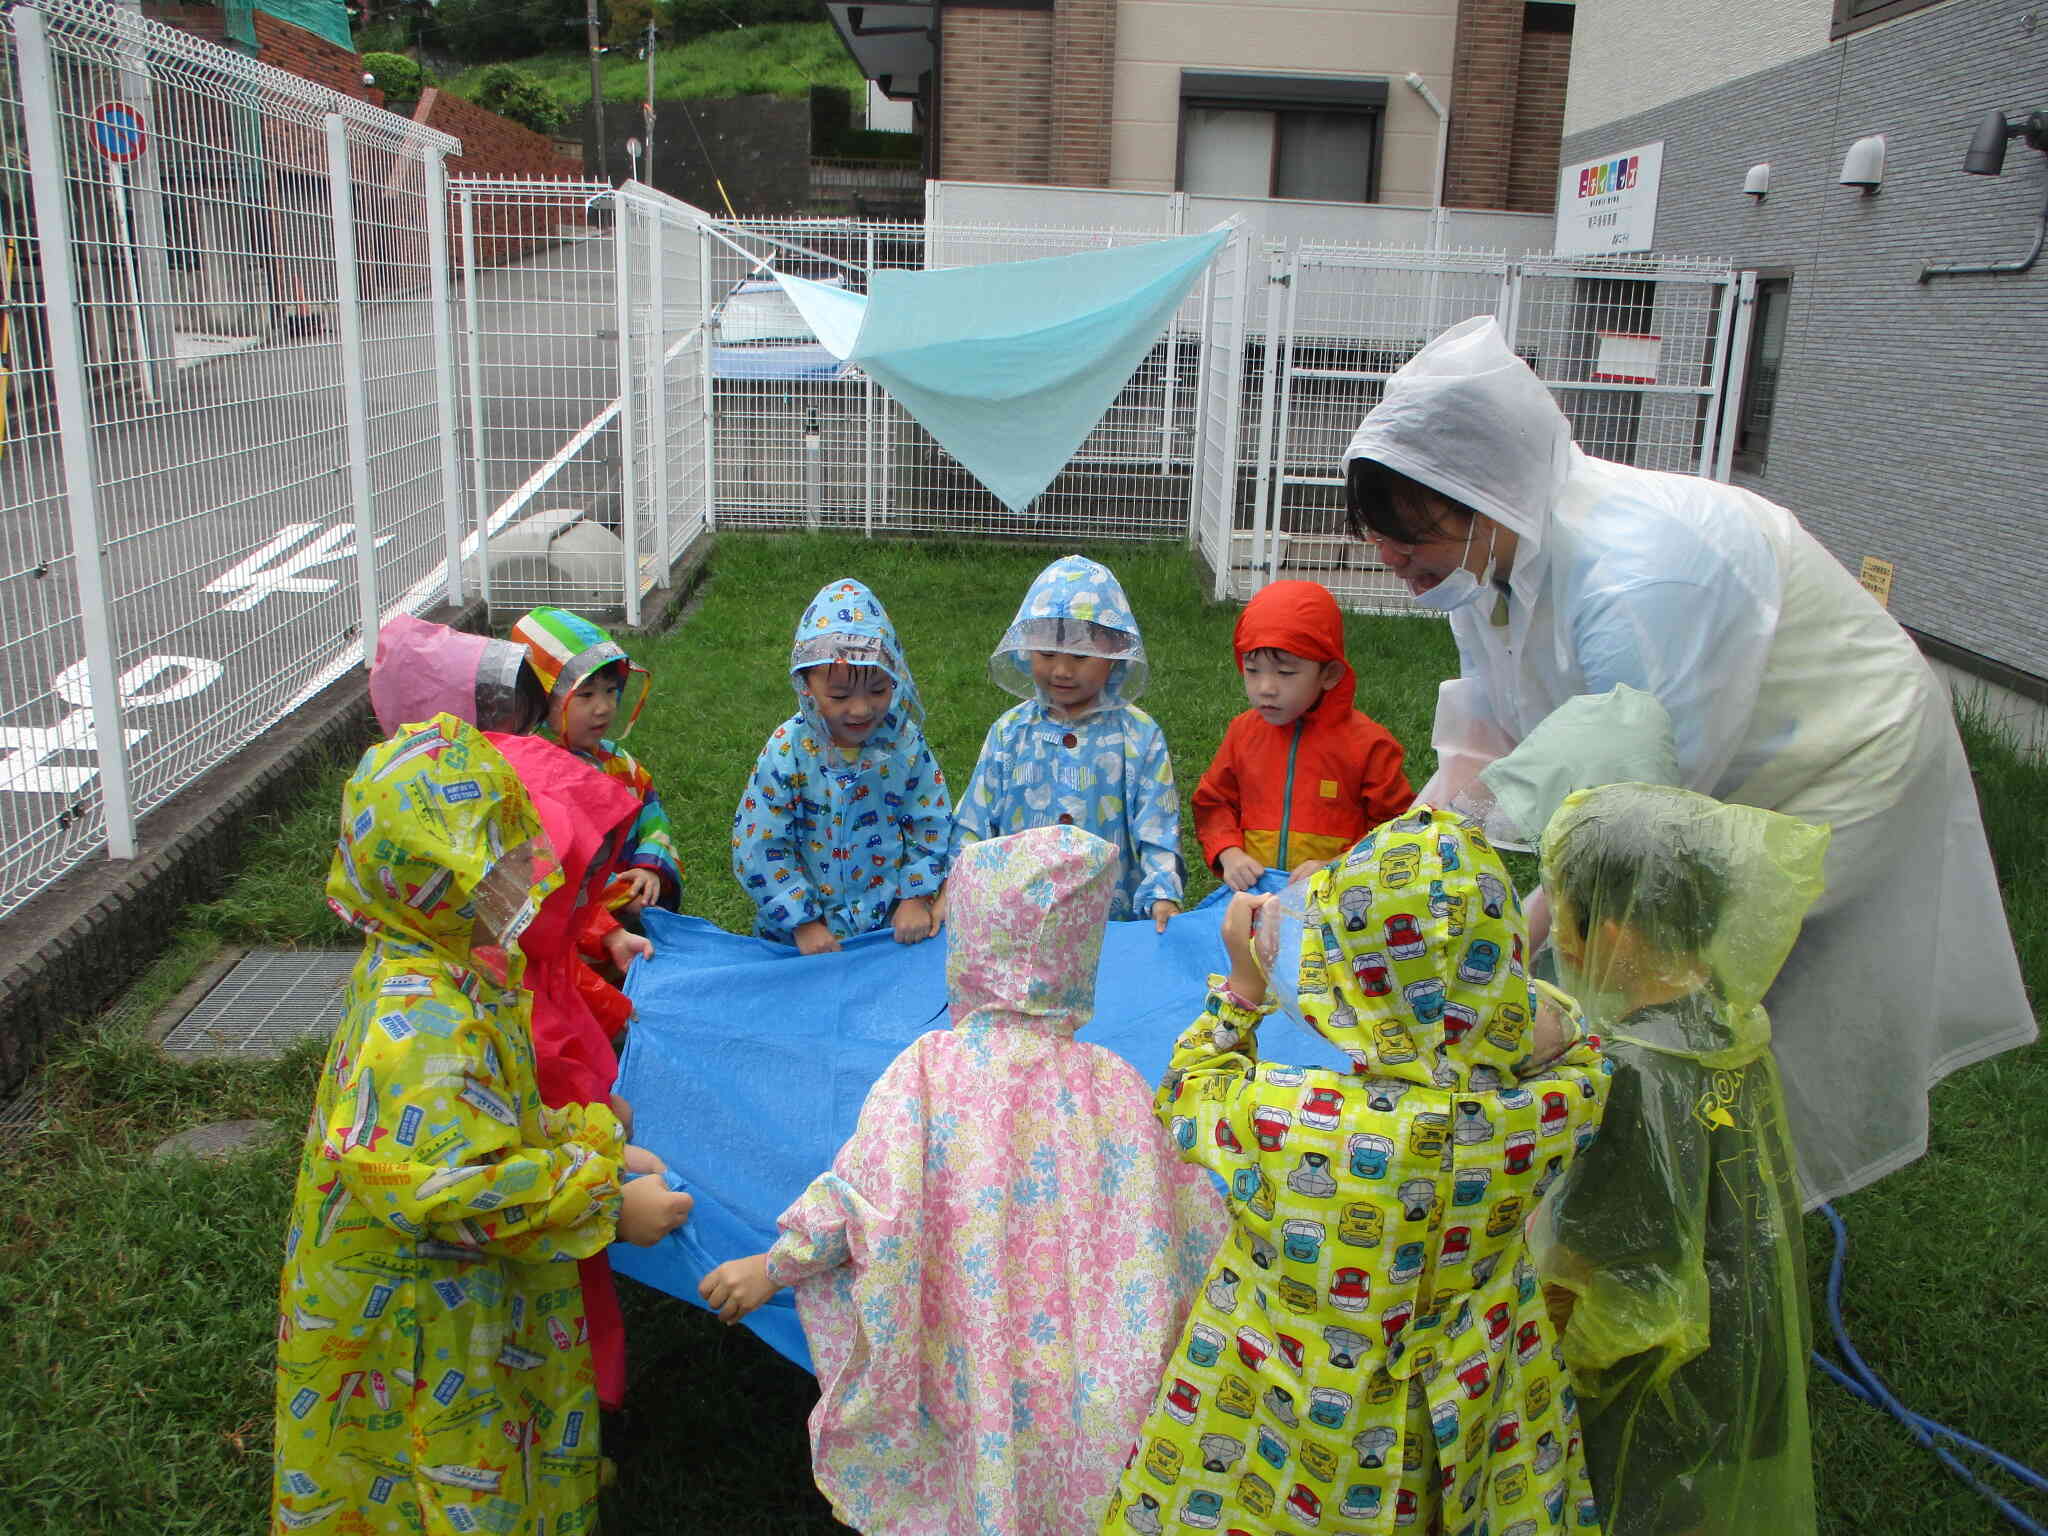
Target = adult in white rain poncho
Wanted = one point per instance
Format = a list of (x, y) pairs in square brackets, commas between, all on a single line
[(1787, 687)]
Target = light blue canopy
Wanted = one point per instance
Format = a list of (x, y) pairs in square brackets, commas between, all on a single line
[(1010, 365)]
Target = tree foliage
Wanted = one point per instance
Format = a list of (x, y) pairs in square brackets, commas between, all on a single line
[(519, 95)]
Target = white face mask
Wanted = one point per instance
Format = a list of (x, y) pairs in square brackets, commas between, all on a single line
[(1461, 587)]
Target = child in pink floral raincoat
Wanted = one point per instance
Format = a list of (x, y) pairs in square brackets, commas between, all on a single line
[(993, 1271)]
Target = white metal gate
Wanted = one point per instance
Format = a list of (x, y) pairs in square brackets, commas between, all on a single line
[(1635, 352)]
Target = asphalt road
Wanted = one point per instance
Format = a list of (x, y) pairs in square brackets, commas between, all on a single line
[(229, 533)]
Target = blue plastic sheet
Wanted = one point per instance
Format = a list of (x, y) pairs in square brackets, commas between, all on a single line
[(747, 1064)]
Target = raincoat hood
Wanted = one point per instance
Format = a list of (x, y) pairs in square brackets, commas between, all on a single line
[(1407, 954), (441, 851), (563, 649), (423, 669), (1077, 606), (1691, 883), (1303, 619), (847, 623), (1622, 736), (585, 812), (1468, 418), (1024, 929)]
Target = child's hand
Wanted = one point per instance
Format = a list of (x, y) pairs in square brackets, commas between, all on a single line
[(1246, 979), (650, 1210), (640, 1160), (624, 948), (644, 884), (1161, 911), (1239, 869), (939, 904), (737, 1287), (814, 938), (623, 1113), (913, 920)]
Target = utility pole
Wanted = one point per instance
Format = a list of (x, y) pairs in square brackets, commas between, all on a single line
[(596, 42), (647, 105)]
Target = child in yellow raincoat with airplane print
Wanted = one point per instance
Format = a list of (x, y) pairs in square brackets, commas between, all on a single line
[(1370, 1352)]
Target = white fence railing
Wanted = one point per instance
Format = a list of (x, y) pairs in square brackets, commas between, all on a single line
[(227, 452)]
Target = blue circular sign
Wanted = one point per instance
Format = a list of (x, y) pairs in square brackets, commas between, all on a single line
[(117, 132)]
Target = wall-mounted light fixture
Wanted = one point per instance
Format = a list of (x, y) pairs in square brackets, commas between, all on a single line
[(1863, 166), (1986, 157), (1758, 181)]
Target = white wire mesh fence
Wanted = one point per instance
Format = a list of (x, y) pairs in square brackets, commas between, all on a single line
[(226, 455)]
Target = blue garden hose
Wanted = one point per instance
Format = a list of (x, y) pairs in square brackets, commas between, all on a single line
[(1866, 1386)]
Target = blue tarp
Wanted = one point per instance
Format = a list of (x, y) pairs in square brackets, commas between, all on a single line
[(747, 1064)]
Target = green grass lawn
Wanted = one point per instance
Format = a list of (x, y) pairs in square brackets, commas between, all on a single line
[(140, 1298), (773, 59)]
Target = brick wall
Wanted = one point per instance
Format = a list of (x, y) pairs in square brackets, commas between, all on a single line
[(1546, 66), (1486, 61), (997, 65), (1511, 65), (497, 146), (299, 52), (1083, 63)]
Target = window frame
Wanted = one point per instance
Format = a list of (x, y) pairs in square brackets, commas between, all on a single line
[(1755, 460), (1846, 19), (1223, 90)]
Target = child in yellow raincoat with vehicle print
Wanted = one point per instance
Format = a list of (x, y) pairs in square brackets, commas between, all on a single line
[(1370, 1351), (432, 1373)]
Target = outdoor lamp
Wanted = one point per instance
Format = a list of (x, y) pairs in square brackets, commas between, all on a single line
[(1986, 157), (1863, 166), (1758, 181)]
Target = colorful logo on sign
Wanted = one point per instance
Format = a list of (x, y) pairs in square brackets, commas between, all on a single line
[(1609, 176)]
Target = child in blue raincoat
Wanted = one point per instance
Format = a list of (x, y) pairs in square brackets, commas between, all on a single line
[(1078, 751), (845, 826)]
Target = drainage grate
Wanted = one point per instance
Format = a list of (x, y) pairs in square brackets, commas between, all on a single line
[(272, 999), (20, 1118)]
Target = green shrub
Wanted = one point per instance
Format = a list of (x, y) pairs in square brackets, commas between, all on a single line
[(519, 95), (399, 78)]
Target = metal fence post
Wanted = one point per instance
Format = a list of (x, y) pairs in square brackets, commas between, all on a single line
[(355, 387), (629, 478), (1278, 274), (74, 415), (438, 256), (657, 391), (706, 296), (472, 346)]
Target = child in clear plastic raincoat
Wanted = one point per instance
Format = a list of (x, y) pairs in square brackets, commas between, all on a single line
[(1676, 1240), (1370, 1351), (845, 826), (995, 1267), (595, 693), (431, 1376), (1078, 751)]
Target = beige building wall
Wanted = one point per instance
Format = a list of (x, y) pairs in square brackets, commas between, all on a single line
[(1157, 39)]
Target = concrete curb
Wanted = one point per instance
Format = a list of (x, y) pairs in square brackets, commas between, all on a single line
[(76, 946)]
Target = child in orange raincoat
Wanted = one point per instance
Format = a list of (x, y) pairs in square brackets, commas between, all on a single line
[(1301, 775)]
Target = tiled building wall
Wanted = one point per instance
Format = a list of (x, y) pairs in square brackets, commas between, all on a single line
[(1907, 423)]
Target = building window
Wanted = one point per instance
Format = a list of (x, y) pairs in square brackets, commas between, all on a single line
[(1760, 377), (1302, 136), (1855, 15)]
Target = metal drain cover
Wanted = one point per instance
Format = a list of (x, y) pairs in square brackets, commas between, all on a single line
[(271, 1000)]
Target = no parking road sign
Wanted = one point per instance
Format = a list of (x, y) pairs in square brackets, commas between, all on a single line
[(118, 133)]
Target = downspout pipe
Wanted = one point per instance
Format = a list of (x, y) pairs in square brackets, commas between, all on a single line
[(1443, 142)]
